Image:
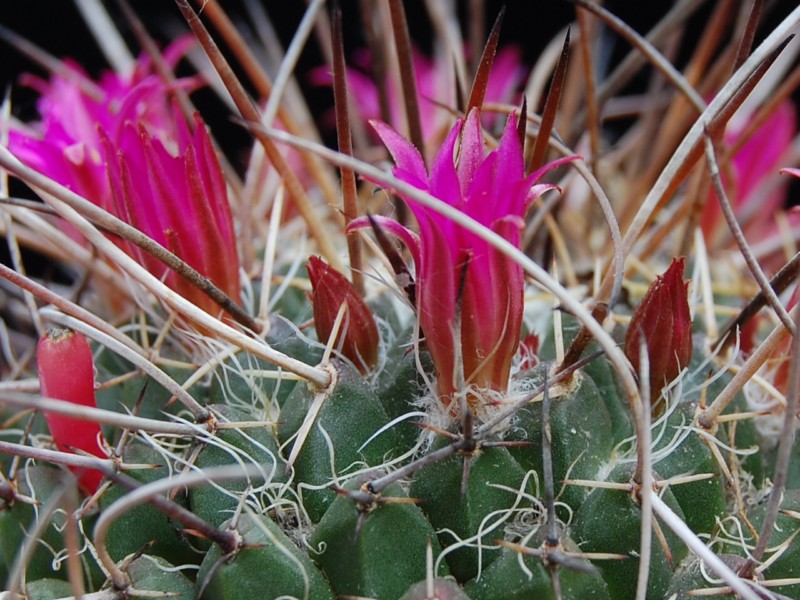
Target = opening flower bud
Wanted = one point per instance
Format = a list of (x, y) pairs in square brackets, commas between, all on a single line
[(469, 295), (358, 338), (66, 372)]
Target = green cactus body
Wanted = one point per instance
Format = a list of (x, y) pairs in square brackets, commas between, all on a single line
[(690, 576), (443, 589), (684, 451), (784, 560), (149, 398), (267, 565), (255, 446), (400, 384), (599, 371), (48, 589), (144, 527), (353, 547), (237, 379), (40, 484), (347, 419), (502, 486), (793, 476), (581, 433), (150, 574), (516, 577), (592, 534), (496, 484)]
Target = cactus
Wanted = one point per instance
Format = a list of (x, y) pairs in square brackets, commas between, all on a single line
[(242, 398)]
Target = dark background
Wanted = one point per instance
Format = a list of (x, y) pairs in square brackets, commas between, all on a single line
[(530, 24), (58, 27)]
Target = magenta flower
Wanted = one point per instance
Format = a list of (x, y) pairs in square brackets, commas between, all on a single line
[(755, 201), (121, 144), (494, 191), (66, 144), (177, 197), (435, 86)]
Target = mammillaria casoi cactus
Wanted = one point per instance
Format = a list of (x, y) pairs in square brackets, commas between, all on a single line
[(236, 374)]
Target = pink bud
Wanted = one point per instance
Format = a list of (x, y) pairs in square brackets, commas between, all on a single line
[(66, 372), (358, 334), (663, 319)]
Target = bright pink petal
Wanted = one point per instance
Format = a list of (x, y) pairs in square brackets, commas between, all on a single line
[(472, 150), (405, 155), (408, 237)]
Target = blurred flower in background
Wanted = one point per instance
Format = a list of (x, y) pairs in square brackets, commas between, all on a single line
[(436, 88), (122, 144), (751, 178)]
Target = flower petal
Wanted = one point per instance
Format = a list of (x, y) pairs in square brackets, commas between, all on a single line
[(405, 155)]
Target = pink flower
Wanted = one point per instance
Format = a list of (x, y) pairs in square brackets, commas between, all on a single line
[(435, 87), (494, 191), (121, 144), (66, 144), (781, 356), (747, 180), (66, 372), (178, 198), (662, 321)]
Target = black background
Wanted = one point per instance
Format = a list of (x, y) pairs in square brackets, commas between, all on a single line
[(530, 24)]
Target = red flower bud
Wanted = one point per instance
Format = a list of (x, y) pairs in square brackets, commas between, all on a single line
[(358, 334), (66, 372), (663, 319), (528, 351)]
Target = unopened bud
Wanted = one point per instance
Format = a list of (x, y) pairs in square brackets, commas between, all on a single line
[(358, 336), (663, 323), (66, 372)]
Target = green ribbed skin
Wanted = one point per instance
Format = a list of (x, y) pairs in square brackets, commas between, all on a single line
[(316, 530)]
